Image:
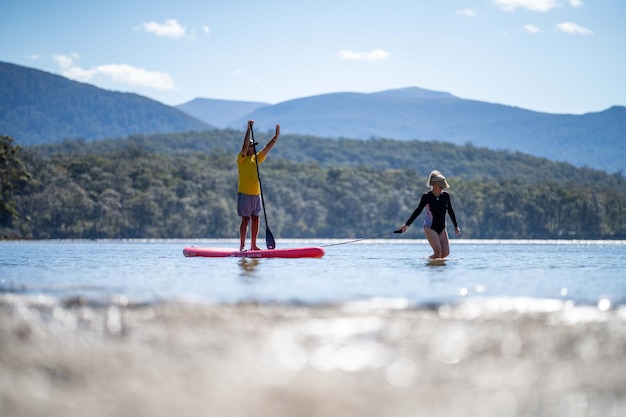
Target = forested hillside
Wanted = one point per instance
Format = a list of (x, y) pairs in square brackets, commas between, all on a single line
[(184, 186), (467, 162), (39, 107)]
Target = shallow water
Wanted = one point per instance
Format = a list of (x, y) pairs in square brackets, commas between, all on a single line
[(133, 328), (148, 271)]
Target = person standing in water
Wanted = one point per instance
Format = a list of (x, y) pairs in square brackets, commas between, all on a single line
[(249, 188), (437, 203)]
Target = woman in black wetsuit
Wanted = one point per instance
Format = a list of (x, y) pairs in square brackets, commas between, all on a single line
[(437, 203)]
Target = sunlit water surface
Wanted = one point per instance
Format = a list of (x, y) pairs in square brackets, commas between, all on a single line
[(142, 271)]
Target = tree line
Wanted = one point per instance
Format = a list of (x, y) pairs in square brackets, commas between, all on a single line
[(155, 187)]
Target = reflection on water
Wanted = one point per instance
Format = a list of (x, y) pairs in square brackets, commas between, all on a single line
[(436, 261), (248, 266)]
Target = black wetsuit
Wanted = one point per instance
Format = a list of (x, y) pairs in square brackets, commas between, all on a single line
[(436, 208)]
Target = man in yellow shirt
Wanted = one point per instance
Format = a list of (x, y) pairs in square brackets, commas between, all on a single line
[(249, 190)]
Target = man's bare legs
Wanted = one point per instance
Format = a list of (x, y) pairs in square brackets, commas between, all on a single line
[(254, 232)]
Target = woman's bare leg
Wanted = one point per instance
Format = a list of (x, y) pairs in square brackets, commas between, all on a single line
[(435, 243), (445, 243)]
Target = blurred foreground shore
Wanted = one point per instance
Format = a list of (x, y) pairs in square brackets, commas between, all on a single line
[(489, 357)]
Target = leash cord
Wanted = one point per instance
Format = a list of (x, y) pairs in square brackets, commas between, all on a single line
[(363, 238)]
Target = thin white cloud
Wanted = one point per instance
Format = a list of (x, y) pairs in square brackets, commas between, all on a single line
[(117, 73), (206, 29), (127, 74), (534, 5), (66, 61), (532, 29), (573, 29), (466, 12), (373, 55), (576, 3), (170, 29)]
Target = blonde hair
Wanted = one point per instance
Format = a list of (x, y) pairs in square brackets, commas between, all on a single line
[(437, 177), (430, 177)]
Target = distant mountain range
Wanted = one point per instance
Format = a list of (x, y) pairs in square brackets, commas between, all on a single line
[(38, 107), (597, 140), (220, 113)]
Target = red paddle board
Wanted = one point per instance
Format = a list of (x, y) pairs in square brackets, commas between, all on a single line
[(312, 252)]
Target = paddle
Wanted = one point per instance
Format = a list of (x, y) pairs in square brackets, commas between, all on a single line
[(269, 237)]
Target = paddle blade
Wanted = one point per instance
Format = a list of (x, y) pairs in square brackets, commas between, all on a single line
[(269, 239)]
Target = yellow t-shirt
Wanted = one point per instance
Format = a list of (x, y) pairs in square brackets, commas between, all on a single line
[(248, 176)]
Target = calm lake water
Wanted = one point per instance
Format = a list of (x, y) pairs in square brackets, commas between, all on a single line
[(142, 271)]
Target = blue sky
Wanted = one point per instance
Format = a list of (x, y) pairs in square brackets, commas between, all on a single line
[(556, 56)]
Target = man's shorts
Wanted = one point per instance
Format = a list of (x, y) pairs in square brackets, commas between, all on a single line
[(248, 205)]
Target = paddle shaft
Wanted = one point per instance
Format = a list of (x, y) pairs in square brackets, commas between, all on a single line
[(269, 237)]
